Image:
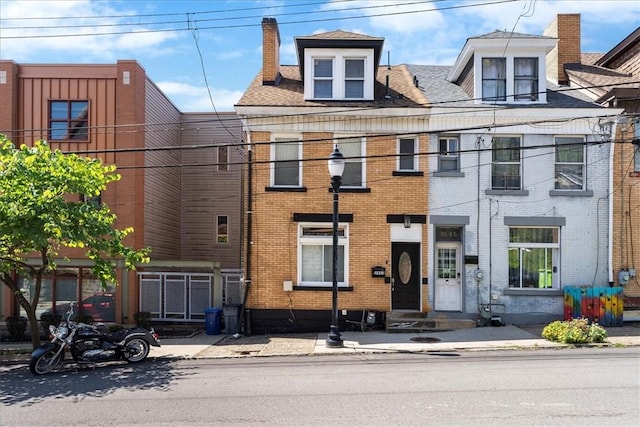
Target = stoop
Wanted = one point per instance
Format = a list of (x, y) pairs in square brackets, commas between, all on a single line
[(406, 321)]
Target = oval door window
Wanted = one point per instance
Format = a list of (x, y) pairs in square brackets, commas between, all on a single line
[(404, 267)]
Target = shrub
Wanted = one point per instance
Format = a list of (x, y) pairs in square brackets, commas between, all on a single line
[(574, 331), (143, 319)]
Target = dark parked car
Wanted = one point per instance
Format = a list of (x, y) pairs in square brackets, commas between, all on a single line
[(101, 307)]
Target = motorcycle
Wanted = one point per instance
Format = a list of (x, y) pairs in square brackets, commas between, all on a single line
[(90, 344)]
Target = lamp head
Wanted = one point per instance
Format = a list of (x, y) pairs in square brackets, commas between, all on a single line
[(336, 163)]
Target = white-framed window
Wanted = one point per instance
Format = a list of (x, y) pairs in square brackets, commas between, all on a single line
[(525, 81), (353, 149), (534, 257), (448, 153), (494, 79), (570, 164), (354, 78), (338, 74), (315, 254), (223, 158), (407, 154), (323, 78), (222, 229), (513, 78), (286, 167), (505, 166)]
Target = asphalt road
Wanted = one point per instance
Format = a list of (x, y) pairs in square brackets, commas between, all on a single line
[(570, 387)]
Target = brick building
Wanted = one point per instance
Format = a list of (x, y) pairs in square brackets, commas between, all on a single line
[(179, 171)]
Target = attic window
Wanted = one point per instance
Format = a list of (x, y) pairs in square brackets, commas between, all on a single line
[(323, 78), (354, 78), (525, 82), (338, 74), (494, 79)]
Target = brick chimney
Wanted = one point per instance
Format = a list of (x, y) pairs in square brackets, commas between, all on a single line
[(270, 52), (565, 27)]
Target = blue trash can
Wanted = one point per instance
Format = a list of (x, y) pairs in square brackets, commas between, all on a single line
[(212, 318)]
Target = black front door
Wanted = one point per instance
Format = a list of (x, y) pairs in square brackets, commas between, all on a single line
[(405, 276)]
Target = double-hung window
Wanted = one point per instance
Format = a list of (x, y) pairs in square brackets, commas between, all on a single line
[(285, 165), (315, 260), (494, 79), (68, 120), (533, 257), (525, 82), (354, 78), (570, 164), (505, 166), (323, 78), (353, 151), (407, 150), (448, 153)]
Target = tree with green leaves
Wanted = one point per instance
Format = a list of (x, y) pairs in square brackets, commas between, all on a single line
[(42, 212)]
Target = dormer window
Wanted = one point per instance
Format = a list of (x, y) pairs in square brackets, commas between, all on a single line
[(525, 84), (354, 78), (338, 74), (502, 77), (494, 79), (323, 78), (502, 67)]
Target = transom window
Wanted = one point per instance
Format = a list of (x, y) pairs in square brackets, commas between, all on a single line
[(533, 257), (353, 151), (570, 165), (448, 153), (525, 85), (407, 150), (285, 165), (68, 120), (315, 262), (494, 79), (505, 167)]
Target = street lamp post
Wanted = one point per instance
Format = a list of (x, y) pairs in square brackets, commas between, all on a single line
[(336, 168)]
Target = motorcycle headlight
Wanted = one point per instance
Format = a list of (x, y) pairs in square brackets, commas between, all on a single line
[(61, 332)]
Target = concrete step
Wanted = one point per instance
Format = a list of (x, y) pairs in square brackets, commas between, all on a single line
[(403, 322)]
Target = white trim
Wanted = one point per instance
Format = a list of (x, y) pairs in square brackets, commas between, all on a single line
[(338, 56)]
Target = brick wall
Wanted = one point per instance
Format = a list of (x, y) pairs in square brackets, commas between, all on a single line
[(275, 234)]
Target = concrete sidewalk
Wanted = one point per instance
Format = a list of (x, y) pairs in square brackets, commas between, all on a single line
[(202, 346), (480, 338)]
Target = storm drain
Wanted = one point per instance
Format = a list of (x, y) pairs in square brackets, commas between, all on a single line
[(425, 339)]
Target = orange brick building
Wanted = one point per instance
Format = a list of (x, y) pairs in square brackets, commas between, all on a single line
[(338, 95)]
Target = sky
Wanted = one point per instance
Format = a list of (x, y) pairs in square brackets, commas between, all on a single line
[(203, 54)]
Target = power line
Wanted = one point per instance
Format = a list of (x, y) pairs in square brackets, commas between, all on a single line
[(121, 128), (230, 26)]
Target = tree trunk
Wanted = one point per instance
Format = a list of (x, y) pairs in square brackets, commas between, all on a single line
[(34, 326)]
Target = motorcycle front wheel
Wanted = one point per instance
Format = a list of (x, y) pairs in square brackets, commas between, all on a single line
[(45, 363), (136, 350)]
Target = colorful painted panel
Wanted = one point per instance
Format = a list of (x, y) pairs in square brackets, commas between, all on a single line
[(602, 305)]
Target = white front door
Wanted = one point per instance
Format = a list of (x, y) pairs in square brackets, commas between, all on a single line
[(448, 287)]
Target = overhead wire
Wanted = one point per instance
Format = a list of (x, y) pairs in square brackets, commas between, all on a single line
[(230, 26)]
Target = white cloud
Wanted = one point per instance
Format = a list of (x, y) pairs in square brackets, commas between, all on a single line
[(65, 29), (392, 15), (189, 98)]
